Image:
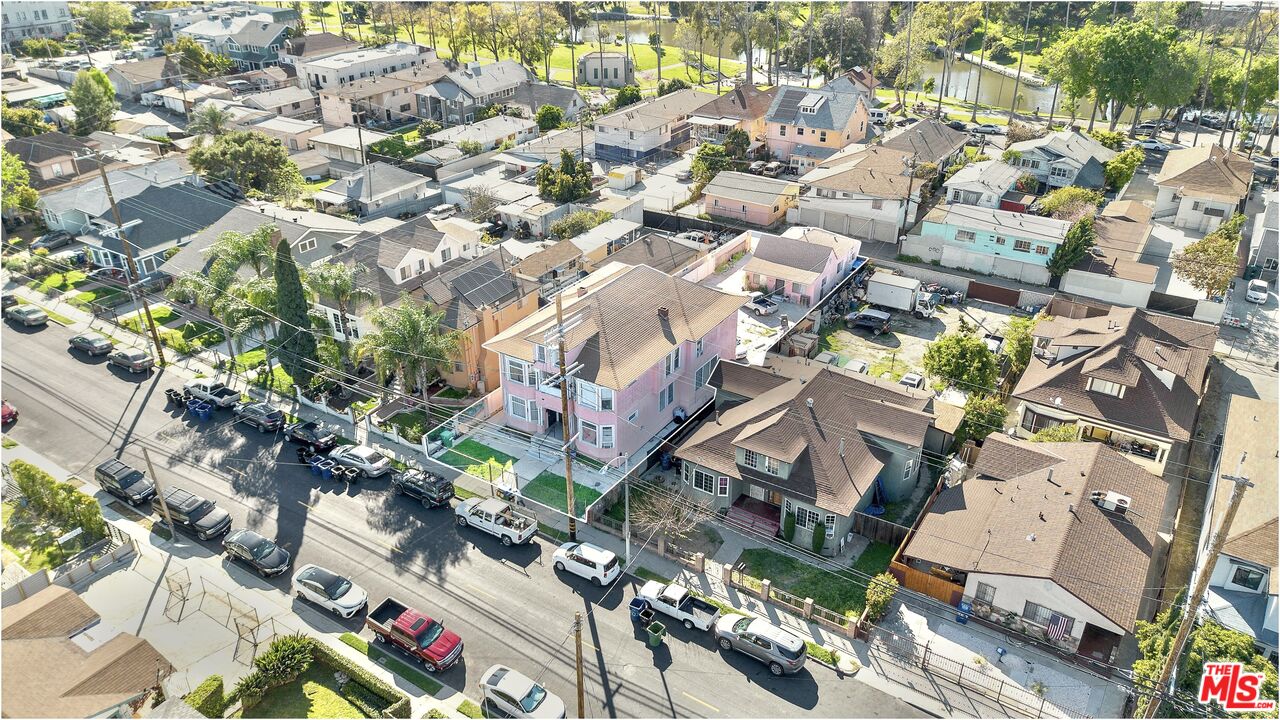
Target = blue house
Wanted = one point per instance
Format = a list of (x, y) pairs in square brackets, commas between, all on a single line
[(986, 240)]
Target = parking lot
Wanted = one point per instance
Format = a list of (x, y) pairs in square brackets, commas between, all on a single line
[(901, 350)]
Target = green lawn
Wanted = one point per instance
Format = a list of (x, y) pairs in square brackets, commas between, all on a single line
[(477, 459), (452, 393), (278, 380), (137, 322), (35, 550), (549, 489), (826, 588), (411, 425), (317, 185), (390, 662), (314, 694), (69, 280), (251, 359), (103, 295)]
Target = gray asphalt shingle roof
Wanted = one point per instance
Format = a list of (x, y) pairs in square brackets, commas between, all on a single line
[(832, 112), (166, 215)]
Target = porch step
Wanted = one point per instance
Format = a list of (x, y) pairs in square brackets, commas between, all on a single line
[(754, 523)]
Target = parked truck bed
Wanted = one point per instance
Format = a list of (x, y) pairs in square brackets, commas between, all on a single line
[(386, 613)]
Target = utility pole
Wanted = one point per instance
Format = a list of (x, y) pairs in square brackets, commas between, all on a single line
[(906, 60), (131, 272), (1202, 583), (568, 443), (982, 64), (164, 506), (911, 164), (577, 640)]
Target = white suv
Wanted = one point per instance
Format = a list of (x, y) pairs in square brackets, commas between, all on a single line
[(596, 564), (1257, 291)]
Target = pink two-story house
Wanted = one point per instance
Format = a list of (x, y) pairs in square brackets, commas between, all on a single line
[(644, 345), (801, 265)]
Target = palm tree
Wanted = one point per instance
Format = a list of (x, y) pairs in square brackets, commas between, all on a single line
[(239, 249), (337, 282), (410, 340), (256, 311), (209, 119), (212, 291)]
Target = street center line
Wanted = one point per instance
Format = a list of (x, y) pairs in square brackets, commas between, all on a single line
[(478, 591), (700, 702)]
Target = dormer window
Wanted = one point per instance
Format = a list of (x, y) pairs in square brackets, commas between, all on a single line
[(757, 461), (1106, 387)]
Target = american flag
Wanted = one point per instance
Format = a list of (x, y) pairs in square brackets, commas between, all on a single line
[(1057, 628)]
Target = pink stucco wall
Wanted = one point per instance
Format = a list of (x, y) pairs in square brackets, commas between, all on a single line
[(813, 292), (755, 214)]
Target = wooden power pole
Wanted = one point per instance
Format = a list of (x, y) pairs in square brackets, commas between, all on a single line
[(577, 639), (564, 422), (131, 272)]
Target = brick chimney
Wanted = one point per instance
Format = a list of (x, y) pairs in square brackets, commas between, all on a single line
[(663, 313)]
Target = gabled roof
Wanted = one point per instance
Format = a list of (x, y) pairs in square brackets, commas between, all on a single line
[(659, 111), (159, 227), (928, 141), (89, 198), (348, 137), (815, 417), (51, 146), (632, 317), (479, 80), (743, 102), (988, 176), (486, 281), (145, 71), (1080, 149), (1122, 346), (874, 171), (658, 252), (373, 181), (858, 79), (275, 98), (1027, 512), (790, 258), (533, 95), (748, 188), (556, 255), (485, 131), (1018, 225), (318, 44), (832, 109), (1206, 171), (194, 256), (1123, 229), (380, 254)]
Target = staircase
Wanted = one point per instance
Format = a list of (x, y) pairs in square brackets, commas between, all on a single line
[(754, 523)]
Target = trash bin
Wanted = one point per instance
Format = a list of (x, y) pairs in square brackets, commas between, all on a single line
[(204, 411), (638, 606), (656, 632), (192, 403), (315, 461), (326, 468)]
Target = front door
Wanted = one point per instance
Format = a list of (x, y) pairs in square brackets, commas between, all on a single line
[(553, 418)]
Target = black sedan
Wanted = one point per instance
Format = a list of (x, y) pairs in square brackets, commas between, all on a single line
[(91, 344), (257, 552), (261, 415), (315, 436), (8, 300)]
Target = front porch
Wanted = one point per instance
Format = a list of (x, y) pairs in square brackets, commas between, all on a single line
[(1138, 448), (758, 516)]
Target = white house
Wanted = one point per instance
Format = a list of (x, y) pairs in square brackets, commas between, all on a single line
[(1113, 271), (378, 190), (48, 19), (606, 69), (863, 196), (982, 183), (491, 134), (347, 144), (1200, 187), (640, 131), (1067, 157), (347, 67)]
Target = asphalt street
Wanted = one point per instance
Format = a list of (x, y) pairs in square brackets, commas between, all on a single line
[(508, 604)]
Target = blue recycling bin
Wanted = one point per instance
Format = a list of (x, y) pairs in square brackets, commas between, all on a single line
[(192, 404), (965, 609), (638, 606), (326, 469), (314, 461)]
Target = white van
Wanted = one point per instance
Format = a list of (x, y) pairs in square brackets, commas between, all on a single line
[(442, 212)]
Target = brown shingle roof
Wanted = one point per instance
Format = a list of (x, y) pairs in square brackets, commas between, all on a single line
[(928, 140), (1122, 232), (658, 252), (1206, 171), (556, 255), (744, 102), (1027, 512), (1118, 347), (1251, 429)]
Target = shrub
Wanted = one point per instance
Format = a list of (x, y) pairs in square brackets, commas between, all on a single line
[(1109, 139), (789, 526), (1057, 433), (435, 714), (365, 700), (250, 689), (57, 501), (285, 659), (1120, 169), (879, 594), (909, 258), (399, 707), (574, 224), (471, 147), (209, 698), (819, 537)]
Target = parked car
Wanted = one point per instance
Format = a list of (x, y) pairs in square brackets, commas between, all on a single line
[(52, 241), (773, 169), (264, 416), (756, 167), (676, 601), (761, 305), (91, 344), (594, 563), (974, 140), (1153, 145), (329, 590), (8, 300), (989, 129), (684, 175), (124, 481), (1146, 127), (416, 633), (442, 212), (1257, 291), (431, 489), (513, 694), (132, 359), (8, 413), (783, 652), (858, 366), (908, 121), (27, 315), (368, 461), (498, 518), (256, 551), (213, 392), (193, 513), (957, 125), (877, 321), (316, 437), (915, 381)]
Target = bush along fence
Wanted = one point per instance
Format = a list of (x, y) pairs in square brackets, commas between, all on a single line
[(880, 592)]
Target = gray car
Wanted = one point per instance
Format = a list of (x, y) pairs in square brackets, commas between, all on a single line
[(91, 344), (783, 652), (28, 315)]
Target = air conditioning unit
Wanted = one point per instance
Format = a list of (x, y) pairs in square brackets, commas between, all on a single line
[(1113, 501)]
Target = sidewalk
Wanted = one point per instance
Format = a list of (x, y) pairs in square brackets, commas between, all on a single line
[(174, 592)]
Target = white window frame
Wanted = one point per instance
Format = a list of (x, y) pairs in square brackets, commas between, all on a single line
[(1022, 246), (701, 476), (666, 396), (722, 486), (772, 465), (806, 519), (514, 364), (703, 374), (583, 426), (830, 522), (697, 352), (751, 459), (966, 236), (671, 363), (1106, 387), (909, 468), (514, 402)]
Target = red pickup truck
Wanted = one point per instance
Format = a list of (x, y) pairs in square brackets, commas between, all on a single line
[(417, 634)]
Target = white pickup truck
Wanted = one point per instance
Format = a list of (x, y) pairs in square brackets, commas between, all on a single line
[(498, 519), (212, 391), (676, 601)]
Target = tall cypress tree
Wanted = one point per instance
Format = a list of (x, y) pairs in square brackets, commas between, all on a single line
[(297, 353)]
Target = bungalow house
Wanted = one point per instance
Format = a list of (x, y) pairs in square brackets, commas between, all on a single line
[(1052, 539), (801, 265), (862, 195), (1264, 244), (1012, 245), (606, 69), (1124, 376), (1066, 157), (55, 158), (806, 440), (743, 108), (645, 346), (746, 198), (532, 215), (183, 98), (150, 228), (455, 98), (1244, 582), (660, 252), (929, 141), (255, 81), (986, 184), (491, 134), (292, 133), (131, 79), (60, 660), (72, 208), (297, 50), (858, 81), (531, 96), (1113, 270), (288, 101), (481, 298), (377, 190), (640, 131), (553, 268), (146, 124), (1200, 187), (804, 127)]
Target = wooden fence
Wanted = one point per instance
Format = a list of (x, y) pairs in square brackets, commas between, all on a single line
[(922, 582), (879, 529)]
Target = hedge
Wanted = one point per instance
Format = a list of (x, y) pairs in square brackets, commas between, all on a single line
[(209, 698), (58, 501), (399, 707), (363, 698)]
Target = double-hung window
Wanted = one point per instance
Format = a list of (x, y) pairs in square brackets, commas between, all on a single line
[(830, 522), (806, 518), (517, 372), (666, 396), (771, 465), (671, 363), (1022, 246), (751, 459), (600, 436), (518, 407), (703, 375)]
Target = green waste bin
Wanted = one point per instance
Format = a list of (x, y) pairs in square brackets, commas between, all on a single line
[(446, 437), (657, 631)]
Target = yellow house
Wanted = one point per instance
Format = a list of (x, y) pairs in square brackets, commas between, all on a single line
[(804, 127)]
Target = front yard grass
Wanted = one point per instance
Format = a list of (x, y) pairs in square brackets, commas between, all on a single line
[(314, 694), (411, 425), (829, 590), (35, 550), (549, 489), (452, 393), (137, 322), (476, 458)]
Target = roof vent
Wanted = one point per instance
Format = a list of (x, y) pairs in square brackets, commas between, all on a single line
[(1031, 537), (809, 402), (841, 447), (582, 292), (663, 312)]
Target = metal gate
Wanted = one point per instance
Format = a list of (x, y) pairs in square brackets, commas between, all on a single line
[(893, 646), (993, 293)]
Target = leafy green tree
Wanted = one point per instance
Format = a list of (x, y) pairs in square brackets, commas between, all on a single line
[(253, 161), (962, 359), (1057, 433), (709, 161), (1010, 156), (672, 85), (1175, 79), (983, 414), (297, 343), (576, 223), (41, 48), (471, 147), (209, 119), (196, 62), (18, 195), (94, 98), (1069, 63), (1018, 342), (1110, 140), (1120, 169), (410, 340), (1129, 53), (880, 592), (627, 95), (212, 291), (23, 121), (736, 143), (549, 117), (337, 284), (1209, 263), (571, 181), (491, 110), (239, 249), (1080, 237), (102, 20)]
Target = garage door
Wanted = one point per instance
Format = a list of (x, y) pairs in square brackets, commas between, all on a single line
[(993, 293), (834, 222)]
